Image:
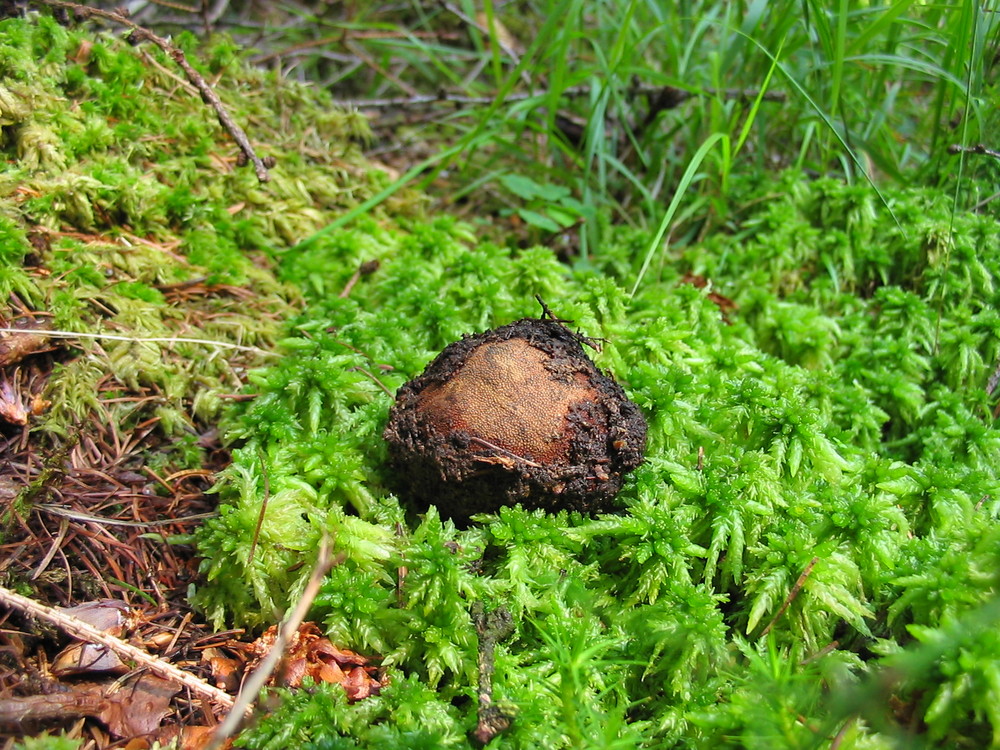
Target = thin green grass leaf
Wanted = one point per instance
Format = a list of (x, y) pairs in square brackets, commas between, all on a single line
[(686, 179)]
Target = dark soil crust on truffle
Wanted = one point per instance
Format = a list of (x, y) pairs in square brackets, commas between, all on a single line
[(518, 414)]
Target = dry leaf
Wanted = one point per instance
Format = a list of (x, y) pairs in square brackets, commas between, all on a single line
[(138, 708), (225, 670), (129, 710), (16, 346), (310, 654), (83, 658), (108, 615)]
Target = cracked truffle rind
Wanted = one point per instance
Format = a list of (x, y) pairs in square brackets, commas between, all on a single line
[(518, 414)]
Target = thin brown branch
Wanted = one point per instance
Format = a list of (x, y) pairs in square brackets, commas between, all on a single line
[(263, 507), (255, 683), (791, 595), (991, 384), (979, 148), (375, 380), (86, 632), (504, 451), (492, 628), (444, 97), (141, 34)]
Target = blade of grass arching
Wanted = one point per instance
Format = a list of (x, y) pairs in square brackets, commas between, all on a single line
[(686, 179), (833, 129), (412, 174), (909, 63), (621, 168), (752, 114), (878, 128)]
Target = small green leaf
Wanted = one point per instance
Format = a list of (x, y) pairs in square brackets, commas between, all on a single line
[(566, 218), (553, 193), (523, 187), (536, 219)]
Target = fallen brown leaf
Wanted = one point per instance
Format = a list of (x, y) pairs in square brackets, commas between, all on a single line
[(310, 654), (133, 709), (16, 346)]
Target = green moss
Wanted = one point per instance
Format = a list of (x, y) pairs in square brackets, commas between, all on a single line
[(813, 537), (146, 227), (836, 425), (46, 741)]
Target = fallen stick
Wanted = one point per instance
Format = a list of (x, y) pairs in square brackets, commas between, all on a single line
[(255, 682), (77, 628), (208, 95), (492, 627)]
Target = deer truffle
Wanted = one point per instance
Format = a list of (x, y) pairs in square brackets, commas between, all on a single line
[(518, 414)]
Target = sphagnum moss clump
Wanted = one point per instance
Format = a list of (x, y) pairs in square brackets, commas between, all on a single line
[(518, 414)]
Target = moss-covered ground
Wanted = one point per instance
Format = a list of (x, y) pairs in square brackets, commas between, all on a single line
[(808, 557)]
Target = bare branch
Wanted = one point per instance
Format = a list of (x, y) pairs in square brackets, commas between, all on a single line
[(256, 681), (676, 97), (979, 148), (86, 632), (141, 34)]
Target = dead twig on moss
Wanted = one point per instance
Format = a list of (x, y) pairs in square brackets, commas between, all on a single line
[(791, 595), (492, 628), (77, 628), (141, 34), (256, 681), (991, 384)]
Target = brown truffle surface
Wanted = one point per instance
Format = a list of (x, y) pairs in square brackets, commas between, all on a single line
[(518, 414)]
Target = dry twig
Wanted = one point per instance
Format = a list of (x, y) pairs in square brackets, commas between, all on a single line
[(85, 632), (979, 148), (255, 683), (141, 34), (791, 595), (492, 627)]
